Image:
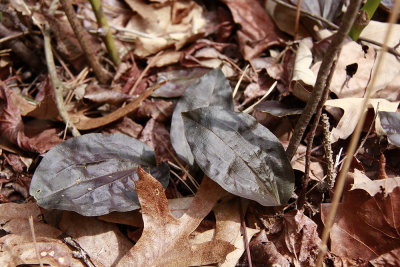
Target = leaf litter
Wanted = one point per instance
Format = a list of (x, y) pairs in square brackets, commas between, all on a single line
[(178, 224)]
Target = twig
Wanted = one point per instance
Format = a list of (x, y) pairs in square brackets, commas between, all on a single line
[(330, 173), (80, 253), (302, 196), (101, 74), (333, 26), (140, 78), (34, 241), (58, 86), (323, 73), (244, 229), (239, 82), (296, 25), (108, 38), (354, 140)]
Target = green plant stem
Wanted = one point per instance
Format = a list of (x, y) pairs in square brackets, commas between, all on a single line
[(363, 17), (101, 74), (323, 73), (58, 86), (108, 37)]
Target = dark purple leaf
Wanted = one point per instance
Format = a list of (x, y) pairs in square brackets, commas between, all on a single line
[(94, 174), (212, 89), (240, 154)]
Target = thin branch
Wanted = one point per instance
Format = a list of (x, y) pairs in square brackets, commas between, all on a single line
[(297, 22), (323, 73), (302, 196), (34, 241), (354, 140), (330, 173), (58, 86), (101, 74)]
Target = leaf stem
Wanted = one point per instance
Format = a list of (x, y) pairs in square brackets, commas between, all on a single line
[(108, 38), (363, 18)]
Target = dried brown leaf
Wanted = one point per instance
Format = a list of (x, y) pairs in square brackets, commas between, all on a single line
[(36, 136), (17, 245), (258, 31), (103, 241), (365, 227), (165, 239)]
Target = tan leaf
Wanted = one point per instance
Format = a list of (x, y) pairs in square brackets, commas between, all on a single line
[(103, 241), (352, 108), (165, 239), (161, 25), (373, 187), (17, 246)]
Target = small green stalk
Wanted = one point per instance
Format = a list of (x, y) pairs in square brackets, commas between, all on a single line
[(363, 18), (107, 38)]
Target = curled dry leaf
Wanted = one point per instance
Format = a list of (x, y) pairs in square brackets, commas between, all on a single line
[(165, 239), (160, 25), (35, 137), (293, 239)]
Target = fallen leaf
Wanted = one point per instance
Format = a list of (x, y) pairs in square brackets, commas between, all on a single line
[(178, 81), (373, 187), (240, 154), (103, 241), (165, 239), (17, 246), (36, 136), (293, 239), (156, 135), (157, 23), (94, 174), (391, 258), (344, 85), (303, 78), (365, 227), (352, 108), (389, 70), (258, 31)]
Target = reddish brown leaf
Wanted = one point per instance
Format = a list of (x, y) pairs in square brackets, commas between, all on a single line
[(36, 136), (258, 31), (365, 227), (294, 238)]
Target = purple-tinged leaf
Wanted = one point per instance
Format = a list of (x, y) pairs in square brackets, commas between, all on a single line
[(240, 154), (94, 174), (212, 89)]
